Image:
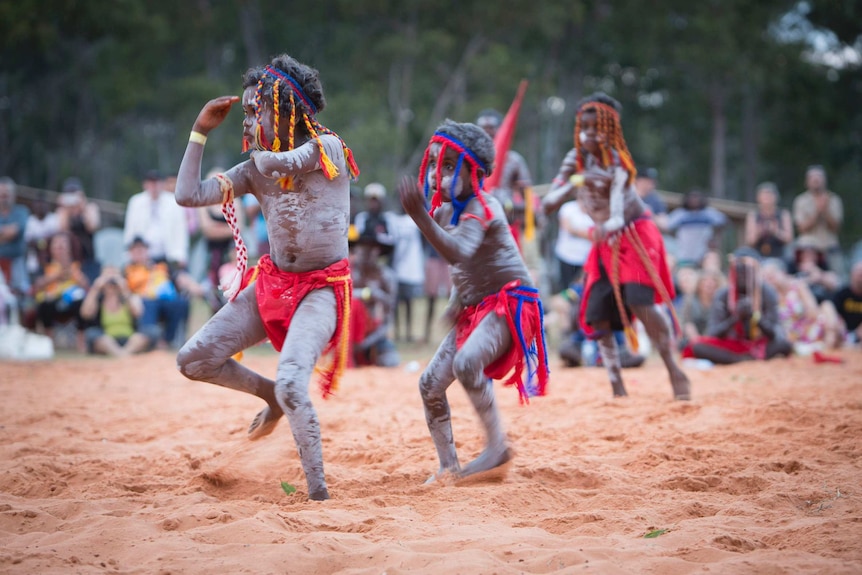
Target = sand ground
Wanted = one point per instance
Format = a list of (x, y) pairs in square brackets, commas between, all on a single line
[(124, 466)]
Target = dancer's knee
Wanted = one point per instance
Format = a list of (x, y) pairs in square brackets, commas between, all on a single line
[(468, 370), (195, 365)]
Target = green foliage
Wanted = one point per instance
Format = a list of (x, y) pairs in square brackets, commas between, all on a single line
[(107, 90)]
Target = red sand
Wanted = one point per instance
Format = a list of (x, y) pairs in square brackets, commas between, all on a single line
[(124, 466)]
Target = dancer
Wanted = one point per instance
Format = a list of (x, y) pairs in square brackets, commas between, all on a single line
[(496, 311), (300, 299), (626, 271)]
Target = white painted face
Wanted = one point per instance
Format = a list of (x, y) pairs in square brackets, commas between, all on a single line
[(250, 122), (447, 173)]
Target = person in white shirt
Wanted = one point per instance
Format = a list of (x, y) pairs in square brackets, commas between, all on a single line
[(154, 215), (573, 243), (408, 261)]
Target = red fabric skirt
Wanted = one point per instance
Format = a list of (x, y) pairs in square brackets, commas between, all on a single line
[(279, 294), (522, 309), (632, 267)]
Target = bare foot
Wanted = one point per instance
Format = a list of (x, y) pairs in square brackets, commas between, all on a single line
[(618, 387), (681, 385), (319, 495), (444, 476), (488, 459), (264, 422)]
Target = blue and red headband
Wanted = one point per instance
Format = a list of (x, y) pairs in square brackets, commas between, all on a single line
[(447, 141)]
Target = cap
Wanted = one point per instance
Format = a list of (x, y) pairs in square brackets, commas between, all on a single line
[(375, 190), (152, 175), (72, 184)]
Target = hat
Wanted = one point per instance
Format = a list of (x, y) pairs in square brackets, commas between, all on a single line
[(152, 175), (71, 185), (375, 190)]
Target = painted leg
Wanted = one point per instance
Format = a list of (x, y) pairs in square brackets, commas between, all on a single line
[(611, 359), (487, 342), (433, 383), (207, 357), (309, 333), (658, 330)]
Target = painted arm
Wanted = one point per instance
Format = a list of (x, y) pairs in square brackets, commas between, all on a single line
[(190, 191), (616, 220), (457, 247), (562, 189)]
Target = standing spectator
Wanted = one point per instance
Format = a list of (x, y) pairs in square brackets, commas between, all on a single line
[(41, 227), (695, 226), (13, 246), (155, 216), (374, 220), (818, 214), (769, 229), (573, 243), (438, 284), (81, 218), (408, 261), (645, 186), (848, 304), (169, 184), (515, 179)]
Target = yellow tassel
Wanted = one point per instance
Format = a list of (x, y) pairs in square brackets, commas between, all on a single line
[(286, 183), (276, 143), (632, 338), (529, 224), (237, 356), (329, 169)]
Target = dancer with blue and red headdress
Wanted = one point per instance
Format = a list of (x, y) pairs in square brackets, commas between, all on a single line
[(494, 307), (626, 272), (299, 294)]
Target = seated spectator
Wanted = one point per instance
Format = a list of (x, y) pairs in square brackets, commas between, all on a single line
[(81, 218), (114, 311), (848, 304), (41, 227), (743, 322), (375, 290), (695, 226), (164, 292), (818, 214), (769, 229), (806, 322), (374, 219), (13, 247), (60, 290), (693, 308), (811, 265)]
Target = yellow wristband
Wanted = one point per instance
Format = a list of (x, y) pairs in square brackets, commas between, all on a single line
[(197, 138), (577, 180)]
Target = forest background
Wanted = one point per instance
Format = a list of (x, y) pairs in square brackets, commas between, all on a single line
[(717, 94)]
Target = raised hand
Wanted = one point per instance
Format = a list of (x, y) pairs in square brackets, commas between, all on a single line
[(213, 113), (412, 198)]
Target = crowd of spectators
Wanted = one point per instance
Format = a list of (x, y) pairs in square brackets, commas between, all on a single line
[(795, 273)]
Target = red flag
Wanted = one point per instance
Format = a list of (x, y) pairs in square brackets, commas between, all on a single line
[(503, 138)]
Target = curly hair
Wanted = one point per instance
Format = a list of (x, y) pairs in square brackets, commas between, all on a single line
[(307, 77), (474, 138)]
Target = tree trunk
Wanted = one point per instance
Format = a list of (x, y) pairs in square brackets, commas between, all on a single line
[(750, 132), (719, 141)]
